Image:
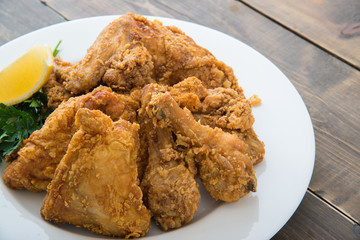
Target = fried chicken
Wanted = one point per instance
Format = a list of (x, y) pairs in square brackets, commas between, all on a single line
[(170, 190), (219, 107), (253, 147), (54, 88), (95, 185), (223, 108), (133, 51), (171, 112), (225, 171), (130, 69), (35, 163)]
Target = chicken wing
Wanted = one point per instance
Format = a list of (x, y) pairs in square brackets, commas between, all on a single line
[(35, 163), (95, 185), (170, 190), (225, 171)]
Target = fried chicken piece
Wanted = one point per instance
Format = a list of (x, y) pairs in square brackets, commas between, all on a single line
[(133, 51), (223, 108), (35, 163), (253, 147), (170, 190), (225, 171), (95, 185), (219, 107), (54, 88), (130, 69)]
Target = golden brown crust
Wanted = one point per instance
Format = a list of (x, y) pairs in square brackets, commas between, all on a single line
[(140, 51), (54, 88), (219, 107), (95, 184), (225, 171), (35, 163), (169, 186)]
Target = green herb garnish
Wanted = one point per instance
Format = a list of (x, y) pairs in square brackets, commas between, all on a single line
[(56, 50), (18, 122)]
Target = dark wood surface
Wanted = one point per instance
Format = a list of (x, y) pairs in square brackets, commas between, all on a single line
[(21, 16), (305, 42), (332, 25)]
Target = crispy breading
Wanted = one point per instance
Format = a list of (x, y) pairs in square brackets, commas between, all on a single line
[(133, 51), (169, 186), (219, 107), (224, 169), (35, 163), (95, 185)]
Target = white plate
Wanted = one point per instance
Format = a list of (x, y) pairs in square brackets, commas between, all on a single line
[(282, 122)]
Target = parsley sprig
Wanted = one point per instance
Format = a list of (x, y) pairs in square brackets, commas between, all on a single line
[(18, 122)]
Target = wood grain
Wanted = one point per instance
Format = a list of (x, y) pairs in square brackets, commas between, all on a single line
[(317, 221), (71, 9), (330, 89), (333, 25), (23, 16)]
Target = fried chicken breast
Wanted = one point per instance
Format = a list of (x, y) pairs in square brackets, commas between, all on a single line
[(35, 163), (95, 185)]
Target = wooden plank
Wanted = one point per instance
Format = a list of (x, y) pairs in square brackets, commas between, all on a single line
[(311, 221), (80, 9), (329, 87), (333, 25), (23, 16)]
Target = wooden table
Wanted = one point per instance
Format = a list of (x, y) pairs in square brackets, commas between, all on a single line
[(316, 43)]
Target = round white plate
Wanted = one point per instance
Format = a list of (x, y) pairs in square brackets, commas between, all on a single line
[(282, 122)]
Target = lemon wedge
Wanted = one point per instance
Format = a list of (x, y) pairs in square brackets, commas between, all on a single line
[(26, 75)]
